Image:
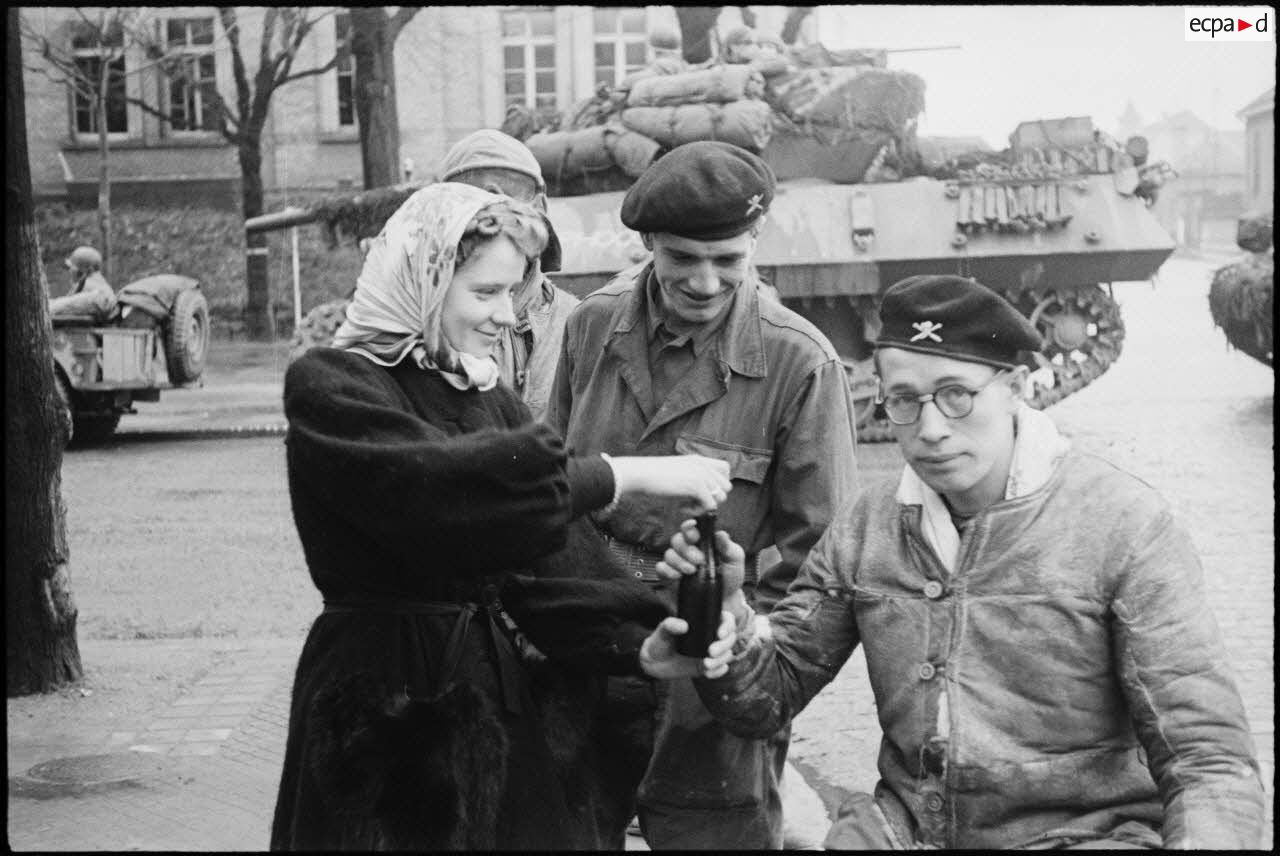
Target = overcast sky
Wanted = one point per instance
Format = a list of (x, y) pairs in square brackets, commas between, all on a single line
[(1029, 62)]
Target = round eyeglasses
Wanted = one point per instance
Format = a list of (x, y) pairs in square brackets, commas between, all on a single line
[(953, 401)]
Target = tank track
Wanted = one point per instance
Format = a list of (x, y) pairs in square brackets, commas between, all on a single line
[(1083, 334)]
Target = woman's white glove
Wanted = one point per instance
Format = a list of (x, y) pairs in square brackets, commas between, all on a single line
[(702, 481)]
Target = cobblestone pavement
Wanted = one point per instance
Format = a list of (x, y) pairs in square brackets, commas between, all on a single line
[(1193, 419)]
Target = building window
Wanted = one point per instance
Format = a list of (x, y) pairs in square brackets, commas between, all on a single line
[(621, 42), (192, 86), (346, 73), (529, 58), (89, 48)]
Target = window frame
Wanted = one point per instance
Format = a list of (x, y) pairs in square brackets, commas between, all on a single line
[(189, 52), (529, 43), (619, 38), (94, 52), (344, 71)]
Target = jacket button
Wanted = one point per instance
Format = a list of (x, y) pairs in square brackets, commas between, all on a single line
[(933, 589), (933, 802), (927, 671), (639, 575)]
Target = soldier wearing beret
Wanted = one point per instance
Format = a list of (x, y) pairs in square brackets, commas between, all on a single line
[(1045, 670), (680, 354)]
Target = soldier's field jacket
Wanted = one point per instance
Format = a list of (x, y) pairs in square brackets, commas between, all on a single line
[(1067, 679), (768, 395)]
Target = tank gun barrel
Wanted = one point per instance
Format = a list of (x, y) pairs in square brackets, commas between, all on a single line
[(927, 48)]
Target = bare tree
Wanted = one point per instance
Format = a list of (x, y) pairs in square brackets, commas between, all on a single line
[(41, 652), (241, 119), (373, 37), (91, 63)]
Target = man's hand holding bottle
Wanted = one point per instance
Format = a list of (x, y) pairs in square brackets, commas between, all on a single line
[(658, 655)]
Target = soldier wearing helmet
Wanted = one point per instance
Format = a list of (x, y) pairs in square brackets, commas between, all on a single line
[(90, 293)]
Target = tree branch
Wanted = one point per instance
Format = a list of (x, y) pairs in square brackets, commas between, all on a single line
[(402, 16)]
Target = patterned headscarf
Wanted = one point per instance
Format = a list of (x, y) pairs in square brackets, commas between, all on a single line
[(399, 298)]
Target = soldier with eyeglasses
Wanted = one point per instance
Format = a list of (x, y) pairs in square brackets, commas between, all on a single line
[(1046, 671)]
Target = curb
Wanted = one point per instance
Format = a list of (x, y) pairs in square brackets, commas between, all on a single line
[(140, 435)]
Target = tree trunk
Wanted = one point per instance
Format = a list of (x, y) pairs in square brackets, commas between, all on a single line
[(259, 314), (104, 174), (696, 24), (791, 27), (41, 652), (372, 46)]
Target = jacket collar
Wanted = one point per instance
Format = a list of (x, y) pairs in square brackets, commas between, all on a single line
[(740, 343)]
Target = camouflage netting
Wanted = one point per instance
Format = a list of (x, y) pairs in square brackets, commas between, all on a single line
[(849, 97), (348, 218), (1241, 303)]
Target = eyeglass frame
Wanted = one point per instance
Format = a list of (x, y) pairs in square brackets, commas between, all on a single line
[(921, 400)]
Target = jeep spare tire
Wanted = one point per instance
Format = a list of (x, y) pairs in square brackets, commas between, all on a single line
[(186, 340)]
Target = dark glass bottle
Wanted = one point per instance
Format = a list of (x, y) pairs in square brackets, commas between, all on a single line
[(699, 599)]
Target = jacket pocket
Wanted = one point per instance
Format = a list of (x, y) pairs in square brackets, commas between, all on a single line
[(745, 463)]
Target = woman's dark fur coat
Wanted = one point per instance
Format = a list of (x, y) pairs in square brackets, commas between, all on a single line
[(407, 491)]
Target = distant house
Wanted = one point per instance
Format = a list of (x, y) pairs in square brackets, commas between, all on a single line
[(1202, 203), (1259, 117), (457, 70)]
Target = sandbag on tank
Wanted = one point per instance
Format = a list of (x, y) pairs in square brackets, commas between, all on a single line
[(849, 96), (721, 84), (747, 123), (592, 160)]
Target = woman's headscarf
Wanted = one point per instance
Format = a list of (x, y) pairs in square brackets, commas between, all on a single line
[(399, 298)]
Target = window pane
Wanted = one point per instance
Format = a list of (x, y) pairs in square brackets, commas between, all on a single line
[(341, 26), (515, 85), (604, 77), (202, 31), (545, 81), (604, 54), (606, 21), (176, 30), (346, 105), (633, 21), (636, 53), (207, 67), (513, 58), (544, 56), (83, 36), (513, 24), (542, 23), (177, 106), (117, 113), (545, 101)]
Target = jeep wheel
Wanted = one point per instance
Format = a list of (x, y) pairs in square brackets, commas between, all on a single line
[(66, 412), (187, 337)]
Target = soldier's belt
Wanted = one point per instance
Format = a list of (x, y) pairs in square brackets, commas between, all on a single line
[(639, 561)]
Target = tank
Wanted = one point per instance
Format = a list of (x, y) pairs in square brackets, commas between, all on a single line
[(1049, 233)]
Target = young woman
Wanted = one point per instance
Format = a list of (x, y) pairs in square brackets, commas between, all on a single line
[(434, 516)]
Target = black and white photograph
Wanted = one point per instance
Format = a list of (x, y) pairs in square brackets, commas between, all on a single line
[(545, 428)]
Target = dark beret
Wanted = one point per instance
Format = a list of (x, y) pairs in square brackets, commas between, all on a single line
[(706, 191), (954, 316)]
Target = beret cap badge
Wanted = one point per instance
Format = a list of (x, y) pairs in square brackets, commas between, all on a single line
[(753, 204), (927, 329)]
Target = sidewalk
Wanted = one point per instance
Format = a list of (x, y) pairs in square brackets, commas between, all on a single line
[(199, 773)]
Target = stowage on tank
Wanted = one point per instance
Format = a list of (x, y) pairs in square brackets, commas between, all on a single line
[(1241, 296), (863, 202)]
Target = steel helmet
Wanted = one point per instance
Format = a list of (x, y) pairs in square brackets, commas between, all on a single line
[(84, 259)]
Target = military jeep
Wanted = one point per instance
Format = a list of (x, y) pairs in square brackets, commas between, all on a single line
[(156, 339)]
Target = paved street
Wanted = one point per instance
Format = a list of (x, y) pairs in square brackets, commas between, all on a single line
[(198, 772), (1193, 419)]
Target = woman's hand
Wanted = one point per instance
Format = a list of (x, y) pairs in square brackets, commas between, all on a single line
[(701, 480), (659, 658)]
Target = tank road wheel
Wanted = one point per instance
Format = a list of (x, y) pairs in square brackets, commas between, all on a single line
[(187, 337), (873, 427), (1083, 334)]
